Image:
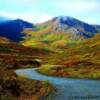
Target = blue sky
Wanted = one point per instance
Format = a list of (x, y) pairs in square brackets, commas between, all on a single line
[(41, 10)]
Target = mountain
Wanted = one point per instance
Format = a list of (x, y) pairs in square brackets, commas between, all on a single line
[(68, 28), (12, 29), (58, 32), (66, 24)]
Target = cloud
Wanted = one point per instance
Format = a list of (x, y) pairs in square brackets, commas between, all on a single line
[(78, 6), (20, 1), (34, 18), (43, 10)]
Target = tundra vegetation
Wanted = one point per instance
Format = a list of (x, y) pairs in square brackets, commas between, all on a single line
[(13, 87), (81, 60), (60, 57)]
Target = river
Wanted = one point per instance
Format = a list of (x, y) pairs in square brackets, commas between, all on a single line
[(67, 89)]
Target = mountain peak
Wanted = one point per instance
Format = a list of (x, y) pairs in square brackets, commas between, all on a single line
[(71, 25), (64, 18), (18, 19)]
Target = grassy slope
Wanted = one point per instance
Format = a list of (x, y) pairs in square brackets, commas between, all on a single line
[(48, 40), (79, 60), (13, 87)]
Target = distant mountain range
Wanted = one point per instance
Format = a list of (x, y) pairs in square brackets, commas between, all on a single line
[(76, 29), (13, 29)]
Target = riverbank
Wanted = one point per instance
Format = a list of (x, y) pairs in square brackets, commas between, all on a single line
[(66, 88), (87, 72), (75, 61), (14, 87)]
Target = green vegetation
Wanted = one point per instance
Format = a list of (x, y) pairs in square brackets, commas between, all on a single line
[(60, 57), (49, 40), (79, 57), (81, 60)]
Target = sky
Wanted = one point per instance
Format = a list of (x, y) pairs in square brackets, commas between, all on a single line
[(37, 11)]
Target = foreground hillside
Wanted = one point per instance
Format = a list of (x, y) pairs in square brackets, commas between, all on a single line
[(13, 87), (78, 61)]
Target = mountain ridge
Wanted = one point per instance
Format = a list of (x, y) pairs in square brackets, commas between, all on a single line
[(12, 29), (74, 28), (68, 24)]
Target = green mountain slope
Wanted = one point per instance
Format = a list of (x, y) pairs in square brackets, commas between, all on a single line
[(78, 61)]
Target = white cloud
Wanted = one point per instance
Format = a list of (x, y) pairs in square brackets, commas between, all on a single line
[(43, 10), (34, 18), (78, 6)]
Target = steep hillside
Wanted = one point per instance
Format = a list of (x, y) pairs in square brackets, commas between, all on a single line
[(65, 24)]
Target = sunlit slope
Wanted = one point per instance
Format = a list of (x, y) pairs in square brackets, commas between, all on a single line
[(58, 31), (79, 60), (46, 38)]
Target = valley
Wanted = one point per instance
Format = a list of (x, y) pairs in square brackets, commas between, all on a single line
[(62, 49)]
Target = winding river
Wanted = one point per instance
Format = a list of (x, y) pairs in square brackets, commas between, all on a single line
[(67, 89)]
